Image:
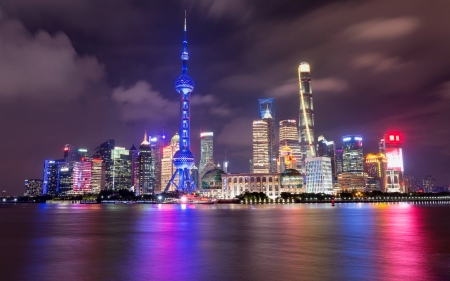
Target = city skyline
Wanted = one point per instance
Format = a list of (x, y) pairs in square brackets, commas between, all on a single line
[(336, 95)]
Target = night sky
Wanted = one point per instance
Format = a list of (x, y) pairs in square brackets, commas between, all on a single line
[(83, 71)]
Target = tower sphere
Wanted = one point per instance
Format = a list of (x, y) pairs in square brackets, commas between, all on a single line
[(183, 159), (184, 83)]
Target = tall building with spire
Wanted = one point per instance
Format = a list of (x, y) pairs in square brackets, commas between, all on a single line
[(145, 168), (306, 117), (288, 136), (269, 118), (183, 158)]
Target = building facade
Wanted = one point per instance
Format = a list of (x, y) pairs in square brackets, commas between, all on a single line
[(236, 184), (375, 165), (319, 175), (104, 152), (33, 187), (50, 177), (391, 146), (288, 136), (261, 162), (350, 182), (328, 149), (98, 174), (121, 169), (428, 184), (267, 111), (206, 153), (145, 182), (306, 114), (167, 167), (352, 154), (82, 177)]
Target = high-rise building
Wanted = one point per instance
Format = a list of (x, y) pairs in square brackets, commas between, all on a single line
[(134, 154), (167, 166), (328, 149), (33, 187), (267, 111), (71, 154), (391, 146), (339, 162), (103, 152), (183, 159), (428, 184), (319, 178), (97, 176), (156, 145), (289, 137), (375, 165), (306, 115), (82, 176), (352, 154), (65, 178), (411, 183), (207, 156), (195, 176), (121, 169), (50, 177), (261, 162), (286, 159), (145, 168)]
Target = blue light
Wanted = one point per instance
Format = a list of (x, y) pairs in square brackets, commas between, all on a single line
[(163, 137)]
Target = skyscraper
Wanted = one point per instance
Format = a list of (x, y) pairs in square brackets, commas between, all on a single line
[(103, 152), (319, 177), (306, 116), (207, 156), (167, 166), (183, 158), (134, 155), (339, 162), (428, 184), (156, 145), (121, 169), (375, 165), (352, 154), (98, 176), (145, 168), (328, 149), (267, 112), (391, 146), (261, 163), (82, 175), (50, 177)]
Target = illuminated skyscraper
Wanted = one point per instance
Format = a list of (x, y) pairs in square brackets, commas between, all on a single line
[(391, 146), (375, 165), (145, 185), (352, 154), (328, 149), (339, 162), (167, 166), (207, 158), (121, 169), (103, 152), (134, 155), (50, 177), (82, 175), (183, 159), (306, 117), (267, 111), (156, 145), (428, 184), (261, 163), (98, 176), (289, 137), (319, 177)]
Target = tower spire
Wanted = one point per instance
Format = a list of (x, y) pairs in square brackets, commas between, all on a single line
[(145, 141)]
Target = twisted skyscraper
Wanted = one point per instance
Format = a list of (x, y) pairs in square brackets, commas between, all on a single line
[(306, 118), (183, 159)]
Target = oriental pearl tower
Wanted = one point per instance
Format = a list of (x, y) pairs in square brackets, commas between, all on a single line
[(183, 159)]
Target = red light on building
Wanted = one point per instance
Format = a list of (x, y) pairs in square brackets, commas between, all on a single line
[(394, 137), (66, 149)]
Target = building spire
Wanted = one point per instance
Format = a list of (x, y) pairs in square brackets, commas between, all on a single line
[(145, 141)]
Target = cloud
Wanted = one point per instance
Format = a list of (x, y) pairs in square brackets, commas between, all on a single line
[(291, 87), (378, 62), (141, 102), (240, 9), (237, 132), (380, 29), (41, 66), (211, 103)]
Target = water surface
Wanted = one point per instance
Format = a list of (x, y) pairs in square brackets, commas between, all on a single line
[(352, 241)]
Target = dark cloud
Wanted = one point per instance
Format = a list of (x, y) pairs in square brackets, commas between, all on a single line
[(84, 71)]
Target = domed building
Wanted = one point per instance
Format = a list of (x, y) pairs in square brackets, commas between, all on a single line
[(291, 181), (211, 184)]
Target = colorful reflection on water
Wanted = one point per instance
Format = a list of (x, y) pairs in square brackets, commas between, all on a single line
[(351, 241)]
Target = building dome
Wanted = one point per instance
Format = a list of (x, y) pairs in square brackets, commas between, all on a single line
[(213, 179), (184, 83), (292, 178), (183, 159), (175, 138)]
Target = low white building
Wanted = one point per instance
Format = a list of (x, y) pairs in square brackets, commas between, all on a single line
[(319, 178)]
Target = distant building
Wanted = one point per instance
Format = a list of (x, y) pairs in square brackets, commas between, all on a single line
[(82, 176), (306, 114), (50, 177), (428, 184), (352, 154), (103, 152), (319, 176), (328, 149), (411, 183), (267, 111), (206, 153), (391, 146), (339, 162), (167, 167), (145, 182), (33, 187), (65, 178), (289, 137), (286, 159), (157, 145), (98, 174), (261, 161), (375, 165), (121, 169), (349, 182), (236, 184)]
